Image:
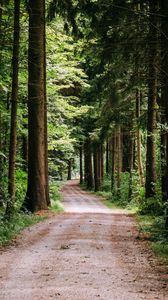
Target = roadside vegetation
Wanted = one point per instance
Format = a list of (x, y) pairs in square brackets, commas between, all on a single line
[(151, 224), (8, 231)]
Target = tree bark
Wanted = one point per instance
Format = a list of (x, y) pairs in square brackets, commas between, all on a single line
[(102, 162), (131, 164), (36, 197), (45, 115), (96, 169), (126, 144), (14, 101), (152, 92), (88, 165), (69, 169), (107, 157), (164, 103), (138, 136), (99, 167), (114, 158), (119, 157), (81, 163)]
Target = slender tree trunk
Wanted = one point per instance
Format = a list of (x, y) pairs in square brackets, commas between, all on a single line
[(81, 163), (102, 162), (164, 102), (119, 154), (99, 167), (152, 92), (95, 162), (126, 145), (97, 171), (114, 159), (69, 169), (45, 115), (88, 165), (138, 135), (37, 191), (107, 157), (131, 165), (14, 100)]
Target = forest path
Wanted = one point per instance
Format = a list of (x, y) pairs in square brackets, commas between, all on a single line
[(89, 253)]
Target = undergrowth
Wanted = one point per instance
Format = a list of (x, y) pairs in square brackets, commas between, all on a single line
[(56, 197), (152, 228), (10, 229), (19, 221), (118, 198)]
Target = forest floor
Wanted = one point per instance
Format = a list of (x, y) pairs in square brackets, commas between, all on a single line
[(88, 252)]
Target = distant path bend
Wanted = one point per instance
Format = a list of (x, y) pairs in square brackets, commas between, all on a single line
[(79, 201), (89, 253)]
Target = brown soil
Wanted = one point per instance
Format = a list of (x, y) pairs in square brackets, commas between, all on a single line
[(88, 252)]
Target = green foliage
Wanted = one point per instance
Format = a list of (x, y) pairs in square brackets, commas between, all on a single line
[(117, 197), (8, 231), (152, 228), (65, 81), (55, 196), (120, 195), (21, 186), (152, 205)]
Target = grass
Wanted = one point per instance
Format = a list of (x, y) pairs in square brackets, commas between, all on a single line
[(9, 230), (152, 228)]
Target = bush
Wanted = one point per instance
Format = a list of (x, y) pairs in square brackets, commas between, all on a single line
[(152, 205)]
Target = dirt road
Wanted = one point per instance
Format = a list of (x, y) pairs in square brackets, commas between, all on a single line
[(88, 253)]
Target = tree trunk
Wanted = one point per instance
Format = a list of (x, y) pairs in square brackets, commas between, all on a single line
[(119, 157), (99, 167), (36, 197), (14, 100), (126, 144), (96, 169), (81, 164), (102, 162), (114, 158), (138, 135), (131, 164), (164, 102), (88, 165), (152, 92), (107, 157), (45, 115), (69, 169)]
